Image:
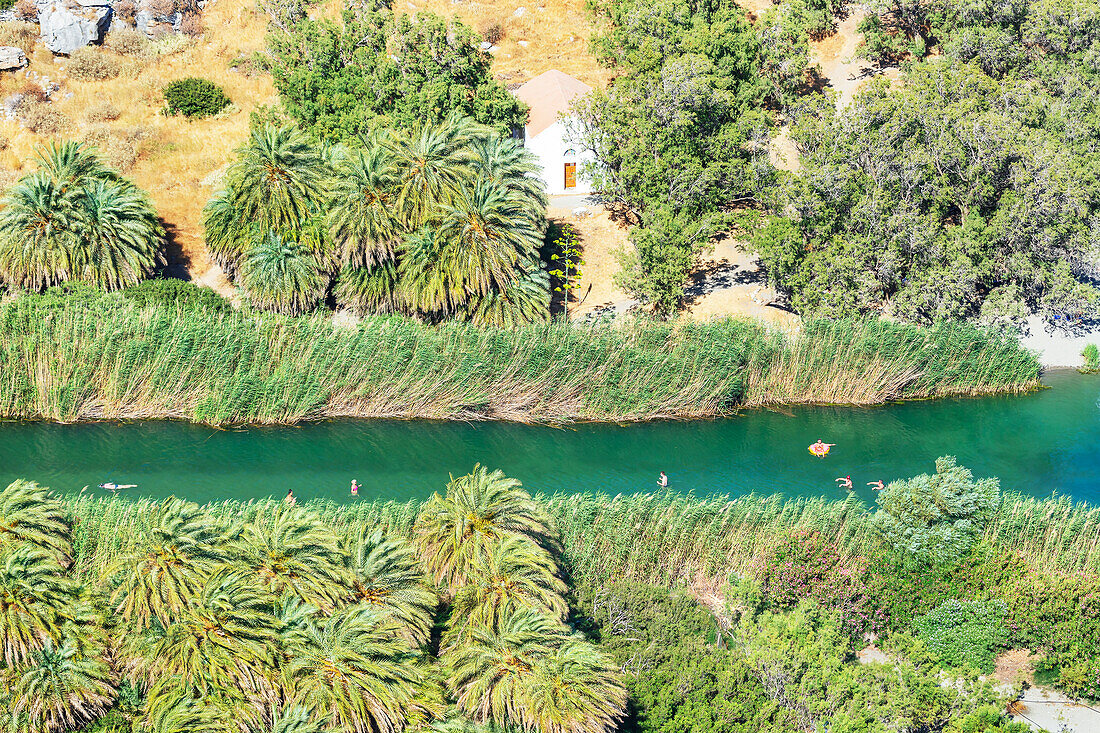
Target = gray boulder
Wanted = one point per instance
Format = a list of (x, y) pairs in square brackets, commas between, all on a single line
[(12, 58), (65, 29), (154, 26)]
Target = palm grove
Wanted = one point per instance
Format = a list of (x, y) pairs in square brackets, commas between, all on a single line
[(279, 623)]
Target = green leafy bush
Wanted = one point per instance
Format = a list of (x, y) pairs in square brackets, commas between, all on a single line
[(965, 633), (194, 98), (804, 564), (179, 293), (937, 517), (1091, 355)]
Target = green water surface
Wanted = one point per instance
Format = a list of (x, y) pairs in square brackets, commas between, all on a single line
[(1037, 443)]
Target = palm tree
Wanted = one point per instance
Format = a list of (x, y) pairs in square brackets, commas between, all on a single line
[(76, 220), (457, 530), (61, 689), (387, 576), (507, 162), (482, 238), (33, 595), (181, 713), (368, 290), (295, 719), (227, 235), (516, 572), (574, 689), (38, 232), (221, 643), (354, 671), (292, 552), (492, 672), (28, 513), (73, 165), (120, 238), (165, 566), (278, 179), (362, 217), (282, 274), (433, 161), (526, 300)]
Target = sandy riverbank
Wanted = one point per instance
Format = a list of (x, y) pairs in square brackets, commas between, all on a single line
[(1057, 348)]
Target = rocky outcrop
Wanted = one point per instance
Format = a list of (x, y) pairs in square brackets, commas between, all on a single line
[(12, 58), (67, 27), (153, 25)]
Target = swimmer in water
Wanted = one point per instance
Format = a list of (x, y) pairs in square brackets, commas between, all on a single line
[(290, 497), (876, 485), (820, 449), (662, 480), (116, 487), (845, 482), (354, 487)]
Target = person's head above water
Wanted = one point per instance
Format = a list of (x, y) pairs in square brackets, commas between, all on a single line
[(289, 492)]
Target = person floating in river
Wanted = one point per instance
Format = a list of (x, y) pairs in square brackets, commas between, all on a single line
[(354, 487), (290, 497), (662, 480), (876, 485), (820, 449), (845, 482), (116, 487)]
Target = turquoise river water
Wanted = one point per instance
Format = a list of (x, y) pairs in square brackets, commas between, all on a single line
[(1036, 443)]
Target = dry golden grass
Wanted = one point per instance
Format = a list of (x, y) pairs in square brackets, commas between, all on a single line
[(175, 154), (556, 33)]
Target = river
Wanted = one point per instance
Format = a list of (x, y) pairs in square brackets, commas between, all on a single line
[(1036, 443)]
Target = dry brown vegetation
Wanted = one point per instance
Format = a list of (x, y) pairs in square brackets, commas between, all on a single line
[(547, 34)]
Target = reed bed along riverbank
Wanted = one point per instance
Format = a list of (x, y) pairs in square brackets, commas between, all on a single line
[(662, 539), (69, 360)]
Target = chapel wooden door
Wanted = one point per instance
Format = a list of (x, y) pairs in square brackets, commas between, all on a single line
[(570, 175)]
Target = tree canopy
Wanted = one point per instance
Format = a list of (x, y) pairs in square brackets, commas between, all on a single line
[(374, 68), (951, 195)]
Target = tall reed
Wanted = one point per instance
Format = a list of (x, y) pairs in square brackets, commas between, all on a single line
[(657, 538), (872, 361), (69, 360)]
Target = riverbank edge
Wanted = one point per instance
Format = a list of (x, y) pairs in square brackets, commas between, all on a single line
[(673, 535), (68, 362), (139, 414)]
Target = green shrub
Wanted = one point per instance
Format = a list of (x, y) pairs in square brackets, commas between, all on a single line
[(178, 293), (1091, 355), (937, 518), (965, 633), (194, 98)]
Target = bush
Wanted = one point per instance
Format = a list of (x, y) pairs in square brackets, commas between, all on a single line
[(103, 112), (42, 118), (91, 64), (177, 293), (804, 564), (194, 97), (192, 25), (1091, 355), (492, 32), (162, 8), (119, 148), (19, 34), (125, 10), (937, 518), (128, 42), (26, 10), (965, 633)]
